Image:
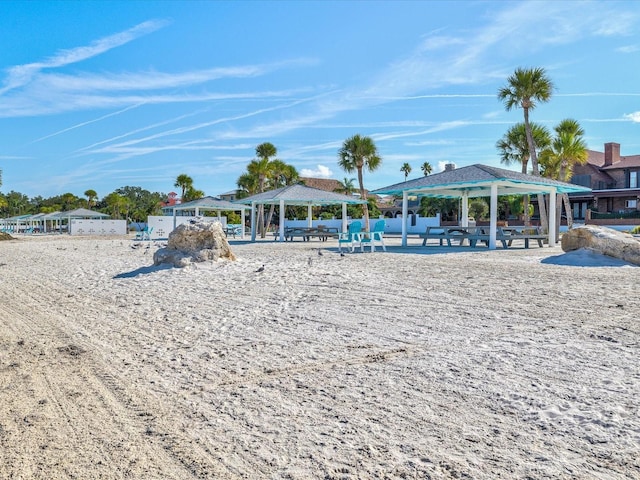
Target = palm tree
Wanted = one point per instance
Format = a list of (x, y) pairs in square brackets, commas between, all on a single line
[(566, 150), (280, 175), (357, 153), (184, 182), (406, 169), (247, 185), (527, 87), (513, 148), (91, 196), (117, 204), (346, 186), (426, 168), (192, 194)]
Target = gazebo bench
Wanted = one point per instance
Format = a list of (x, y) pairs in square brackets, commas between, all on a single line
[(446, 233), (526, 234), (507, 235)]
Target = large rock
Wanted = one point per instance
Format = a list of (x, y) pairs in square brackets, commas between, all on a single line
[(195, 242), (603, 240)]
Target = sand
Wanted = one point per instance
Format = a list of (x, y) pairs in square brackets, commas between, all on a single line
[(415, 363)]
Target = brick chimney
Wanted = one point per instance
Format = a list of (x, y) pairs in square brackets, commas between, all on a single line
[(449, 167), (611, 153)]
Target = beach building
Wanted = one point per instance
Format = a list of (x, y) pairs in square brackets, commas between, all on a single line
[(615, 188)]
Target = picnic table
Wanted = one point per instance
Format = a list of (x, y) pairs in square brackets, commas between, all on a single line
[(306, 233), (475, 235)]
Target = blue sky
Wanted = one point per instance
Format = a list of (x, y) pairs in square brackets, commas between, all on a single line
[(99, 95)]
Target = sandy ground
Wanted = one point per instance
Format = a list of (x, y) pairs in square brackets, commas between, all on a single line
[(415, 363)]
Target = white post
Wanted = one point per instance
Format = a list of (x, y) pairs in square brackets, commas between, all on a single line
[(309, 215), (405, 215), (493, 216), (552, 217), (344, 217), (464, 221), (281, 226)]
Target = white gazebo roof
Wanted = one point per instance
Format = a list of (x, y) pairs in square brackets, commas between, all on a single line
[(481, 181), (207, 203), (79, 213), (298, 195)]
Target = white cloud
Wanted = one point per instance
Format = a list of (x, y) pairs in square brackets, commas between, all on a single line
[(21, 75), (634, 117), (320, 172), (628, 49)]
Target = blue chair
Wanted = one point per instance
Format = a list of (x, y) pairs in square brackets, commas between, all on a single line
[(352, 237), (375, 236)]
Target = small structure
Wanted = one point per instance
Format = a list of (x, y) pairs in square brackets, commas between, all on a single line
[(194, 242), (194, 208), (299, 195), (480, 181)]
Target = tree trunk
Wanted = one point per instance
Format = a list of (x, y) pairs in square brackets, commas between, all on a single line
[(525, 204), (270, 216), (542, 206), (568, 210), (365, 207)]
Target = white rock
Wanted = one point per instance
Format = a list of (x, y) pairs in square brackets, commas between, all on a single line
[(196, 242), (603, 240)]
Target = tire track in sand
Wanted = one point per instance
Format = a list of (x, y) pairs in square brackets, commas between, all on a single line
[(61, 403)]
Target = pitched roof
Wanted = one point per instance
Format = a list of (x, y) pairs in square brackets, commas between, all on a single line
[(476, 180), (629, 161), (299, 195), (205, 203), (80, 213)]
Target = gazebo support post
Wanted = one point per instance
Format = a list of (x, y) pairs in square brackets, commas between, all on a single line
[(464, 220), (309, 215), (405, 215), (344, 217), (552, 217), (281, 225), (493, 216)]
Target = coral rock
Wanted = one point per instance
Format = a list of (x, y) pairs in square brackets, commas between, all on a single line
[(195, 242), (605, 241)]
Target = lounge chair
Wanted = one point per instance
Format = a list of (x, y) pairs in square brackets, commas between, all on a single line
[(375, 236), (352, 237)]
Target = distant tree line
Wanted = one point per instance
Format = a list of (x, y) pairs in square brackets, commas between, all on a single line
[(132, 203)]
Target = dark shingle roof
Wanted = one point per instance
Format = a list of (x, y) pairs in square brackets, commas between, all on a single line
[(476, 180)]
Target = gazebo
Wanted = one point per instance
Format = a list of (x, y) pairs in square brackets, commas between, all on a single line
[(299, 195), (480, 181), (208, 204)]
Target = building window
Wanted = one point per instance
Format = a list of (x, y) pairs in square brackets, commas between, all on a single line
[(633, 179), (631, 203)]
